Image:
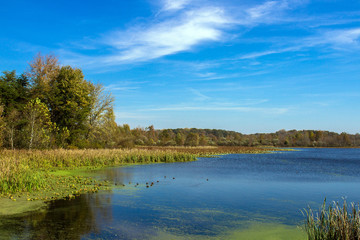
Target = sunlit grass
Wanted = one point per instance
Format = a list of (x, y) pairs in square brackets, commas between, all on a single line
[(335, 222), (27, 171)]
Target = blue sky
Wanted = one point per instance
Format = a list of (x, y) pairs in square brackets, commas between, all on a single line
[(248, 66)]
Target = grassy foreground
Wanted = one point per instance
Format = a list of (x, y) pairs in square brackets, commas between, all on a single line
[(36, 174), (335, 222)]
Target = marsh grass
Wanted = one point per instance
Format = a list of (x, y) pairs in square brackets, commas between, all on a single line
[(24, 171), (334, 222)]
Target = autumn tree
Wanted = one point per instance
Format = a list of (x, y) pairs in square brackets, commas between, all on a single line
[(203, 141), (2, 125), (43, 70), (101, 106), (70, 102), (179, 139), (12, 123), (126, 137), (39, 126), (192, 139), (109, 133)]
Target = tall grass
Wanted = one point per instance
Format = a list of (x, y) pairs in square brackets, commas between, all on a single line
[(25, 170), (335, 222)]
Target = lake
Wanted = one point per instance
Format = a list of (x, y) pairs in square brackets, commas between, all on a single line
[(237, 196)]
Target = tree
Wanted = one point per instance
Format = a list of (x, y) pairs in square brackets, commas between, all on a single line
[(192, 139), (12, 122), (203, 141), (70, 102), (14, 91), (2, 126), (179, 139), (39, 126), (101, 105), (109, 129), (43, 69)]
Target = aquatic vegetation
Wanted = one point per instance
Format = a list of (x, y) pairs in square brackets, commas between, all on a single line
[(335, 222), (27, 171), (206, 151), (39, 171)]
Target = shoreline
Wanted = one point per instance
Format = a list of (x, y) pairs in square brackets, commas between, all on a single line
[(64, 174)]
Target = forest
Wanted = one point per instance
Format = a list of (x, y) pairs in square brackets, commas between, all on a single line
[(52, 106)]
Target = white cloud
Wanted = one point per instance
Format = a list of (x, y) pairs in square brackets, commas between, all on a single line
[(237, 109), (345, 39), (198, 95), (347, 36), (267, 12), (121, 116), (168, 37), (172, 5)]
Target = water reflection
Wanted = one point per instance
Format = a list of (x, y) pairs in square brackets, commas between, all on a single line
[(115, 176), (203, 199), (64, 219)]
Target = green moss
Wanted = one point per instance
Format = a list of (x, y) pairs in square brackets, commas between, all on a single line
[(267, 231), (254, 231), (19, 205)]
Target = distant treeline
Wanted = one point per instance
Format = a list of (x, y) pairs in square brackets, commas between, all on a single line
[(53, 106), (213, 137)]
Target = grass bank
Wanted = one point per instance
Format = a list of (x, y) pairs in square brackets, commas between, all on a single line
[(39, 174)]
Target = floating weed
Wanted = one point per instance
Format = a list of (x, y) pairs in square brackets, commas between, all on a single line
[(45, 173)]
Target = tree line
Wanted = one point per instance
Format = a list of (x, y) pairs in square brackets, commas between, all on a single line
[(54, 106), (51, 106), (215, 137)]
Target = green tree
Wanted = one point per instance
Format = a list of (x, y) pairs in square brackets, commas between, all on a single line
[(14, 91), (101, 106), (70, 102), (12, 123), (179, 139), (192, 139), (2, 126), (109, 129), (203, 141), (39, 126)]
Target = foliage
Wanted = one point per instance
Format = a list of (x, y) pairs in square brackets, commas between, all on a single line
[(43, 69), (2, 125), (26, 171), (335, 222), (14, 91), (70, 101), (39, 126), (82, 116)]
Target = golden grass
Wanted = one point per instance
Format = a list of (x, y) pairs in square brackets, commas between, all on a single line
[(27, 171), (335, 222)]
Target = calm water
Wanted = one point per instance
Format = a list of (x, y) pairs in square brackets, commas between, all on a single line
[(232, 196)]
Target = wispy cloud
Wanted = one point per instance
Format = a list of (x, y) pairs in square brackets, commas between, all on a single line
[(121, 116), (173, 5), (187, 24), (345, 39), (168, 37), (125, 86), (184, 27), (269, 11), (236, 109), (198, 95)]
